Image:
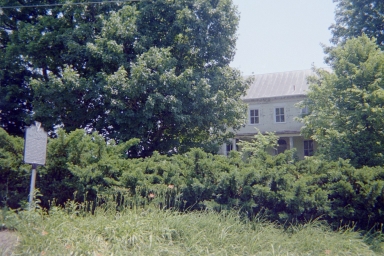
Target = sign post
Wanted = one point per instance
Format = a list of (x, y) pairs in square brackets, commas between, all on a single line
[(32, 187), (35, 151)]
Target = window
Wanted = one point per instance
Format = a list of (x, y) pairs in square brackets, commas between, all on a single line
[(254, 116), (229, 148), (308, 148), (281, 146), (279, 115), (305, 110)]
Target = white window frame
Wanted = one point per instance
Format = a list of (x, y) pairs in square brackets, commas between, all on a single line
[(275, 115), (255, 116)]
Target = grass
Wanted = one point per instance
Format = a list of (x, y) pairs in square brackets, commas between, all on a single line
[(74, 231)]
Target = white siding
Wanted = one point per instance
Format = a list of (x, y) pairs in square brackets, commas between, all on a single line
[(267, 121), (271, 91)]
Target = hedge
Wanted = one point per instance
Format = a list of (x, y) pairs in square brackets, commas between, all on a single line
[(83, 166)]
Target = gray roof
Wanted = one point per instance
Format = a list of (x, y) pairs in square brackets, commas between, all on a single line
[(280, 84)]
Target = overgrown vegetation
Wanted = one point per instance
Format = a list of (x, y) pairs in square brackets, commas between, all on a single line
[(346, 105), (151, 231), (111, 68), (84, 167), (153, 70)]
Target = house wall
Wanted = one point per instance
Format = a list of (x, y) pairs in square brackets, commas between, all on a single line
[(298, 144), (267, 121), (289, 130)]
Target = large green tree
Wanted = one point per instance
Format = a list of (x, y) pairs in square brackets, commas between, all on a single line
[(15, 93), (36, 42), (154, 70), (355, 17), (347, 104)]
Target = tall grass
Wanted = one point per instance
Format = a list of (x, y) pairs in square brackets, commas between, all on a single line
[(73, 230)]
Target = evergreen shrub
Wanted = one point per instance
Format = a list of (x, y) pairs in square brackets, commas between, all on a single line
[(281, 188)]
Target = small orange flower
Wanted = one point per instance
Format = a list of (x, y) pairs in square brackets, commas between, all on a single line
[(44, 233), (151, 195)]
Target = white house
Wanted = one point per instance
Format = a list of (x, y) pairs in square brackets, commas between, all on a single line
[(271, 103)]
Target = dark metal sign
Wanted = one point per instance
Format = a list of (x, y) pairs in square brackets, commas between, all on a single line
[(35, 145)]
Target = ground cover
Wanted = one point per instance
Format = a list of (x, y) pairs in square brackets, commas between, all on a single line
[(75, 231)]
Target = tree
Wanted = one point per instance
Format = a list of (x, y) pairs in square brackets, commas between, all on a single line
[(15, 93), (346, 105), (14, 175), (154, 70), (355, 17), (37, 42)]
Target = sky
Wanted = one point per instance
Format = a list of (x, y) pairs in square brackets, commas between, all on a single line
[(282, 35)]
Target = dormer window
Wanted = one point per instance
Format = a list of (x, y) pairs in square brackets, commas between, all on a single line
[(253, 116)]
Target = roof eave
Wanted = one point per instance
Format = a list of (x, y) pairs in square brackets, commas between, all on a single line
[(275, 97)]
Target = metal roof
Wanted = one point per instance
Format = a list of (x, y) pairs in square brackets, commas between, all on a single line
[(280, 84)]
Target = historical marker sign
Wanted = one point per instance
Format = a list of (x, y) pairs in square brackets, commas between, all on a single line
[(35, 145)]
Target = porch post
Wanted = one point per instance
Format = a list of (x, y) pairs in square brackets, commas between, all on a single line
[(224, 149), (234, 144), (291, 142)]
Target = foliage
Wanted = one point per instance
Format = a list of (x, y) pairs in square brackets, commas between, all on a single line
[(38, 41), (357, 17), (85, 168), (347, 104), (153, 70), (74, 230), (78, 166), (259, 145), (14, 176)]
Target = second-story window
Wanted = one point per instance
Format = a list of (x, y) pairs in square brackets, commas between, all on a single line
[(279, 115), (254, 116)]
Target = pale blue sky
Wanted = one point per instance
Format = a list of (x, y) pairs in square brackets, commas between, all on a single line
[(282, 35)]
